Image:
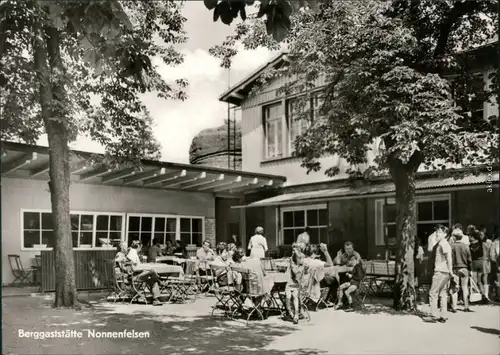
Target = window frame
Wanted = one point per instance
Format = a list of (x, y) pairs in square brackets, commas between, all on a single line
[(93, 213), (281, 121), (173, 216), (379, 214), (283, 210), (289, 124)]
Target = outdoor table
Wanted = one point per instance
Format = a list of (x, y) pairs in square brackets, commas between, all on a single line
[(170, 259), (160, 269)]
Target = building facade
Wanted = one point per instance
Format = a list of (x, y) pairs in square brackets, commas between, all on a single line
[(158, 200), (334, 210)]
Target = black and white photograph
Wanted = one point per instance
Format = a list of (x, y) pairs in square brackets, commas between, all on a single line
[(218, 177)]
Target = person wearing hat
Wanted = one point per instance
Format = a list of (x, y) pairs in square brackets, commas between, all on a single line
[(258, 244)]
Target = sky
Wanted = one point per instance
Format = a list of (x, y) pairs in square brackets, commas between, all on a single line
[(177, 122)]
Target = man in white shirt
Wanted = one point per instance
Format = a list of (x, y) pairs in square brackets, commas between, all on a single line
[(443, 270), (150, 277)]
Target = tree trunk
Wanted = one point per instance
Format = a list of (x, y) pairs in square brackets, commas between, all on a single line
[(404, 290), (54, 119)]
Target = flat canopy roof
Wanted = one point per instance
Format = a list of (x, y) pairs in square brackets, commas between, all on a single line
[(373, 190), (32, 162)]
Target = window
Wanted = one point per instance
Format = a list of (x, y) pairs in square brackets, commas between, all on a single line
[(297, 124), (164, 227), (88, 229), (470, 95), (192, 231), (273, 120), (37, 230), (430, 210), (296, 219)]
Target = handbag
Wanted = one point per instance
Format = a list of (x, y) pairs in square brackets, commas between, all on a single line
[(474, 294)]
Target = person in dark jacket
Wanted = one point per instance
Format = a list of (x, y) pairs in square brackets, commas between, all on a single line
[(462, 265), (347, 288)]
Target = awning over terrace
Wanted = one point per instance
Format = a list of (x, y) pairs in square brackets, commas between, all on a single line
[(32, 162), (347, 192)]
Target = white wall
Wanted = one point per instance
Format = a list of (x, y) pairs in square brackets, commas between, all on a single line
[(20, 194)]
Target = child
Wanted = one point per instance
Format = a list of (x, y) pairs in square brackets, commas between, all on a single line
[(347, 288), (296, 270)]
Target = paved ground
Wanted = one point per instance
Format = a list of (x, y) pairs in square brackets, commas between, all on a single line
[(189, 329)]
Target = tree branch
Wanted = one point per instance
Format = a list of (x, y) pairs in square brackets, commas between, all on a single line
[(459, 10)]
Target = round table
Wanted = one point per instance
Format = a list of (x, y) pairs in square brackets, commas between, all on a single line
[(160, 269)]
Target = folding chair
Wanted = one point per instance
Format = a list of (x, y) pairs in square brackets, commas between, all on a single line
[(268, 264), (183, 288), (223, 293), (21, 275), (205, 282), (257, 299)]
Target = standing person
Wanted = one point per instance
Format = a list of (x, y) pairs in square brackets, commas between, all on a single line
[(462, 264), (258, 244), (443, 269), (480, 251), (304, 237), (495, 262), (296, 271), (458, 230)]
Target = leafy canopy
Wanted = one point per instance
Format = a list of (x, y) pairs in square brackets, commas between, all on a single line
[(108, 50), (393, 75)]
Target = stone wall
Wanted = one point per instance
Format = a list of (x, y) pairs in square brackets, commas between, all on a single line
[(220, 161), (210, 230)]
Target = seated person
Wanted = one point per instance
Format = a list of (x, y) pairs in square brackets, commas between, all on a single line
[(179, 248), (222, 276), (296, 271), (143, 249), (121, 260), (169, 249), (348, 256), (316, 268), (347, 288), (150, 277), (204, 255), (154, 251), (257, 272)]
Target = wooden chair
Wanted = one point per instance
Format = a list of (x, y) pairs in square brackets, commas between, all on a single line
[(21, 275)]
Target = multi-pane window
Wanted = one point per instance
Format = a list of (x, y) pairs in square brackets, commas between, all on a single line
[(299, 116), (163, 227), (294, 222), (429, 212), (108, 230), (273, 121), (88, 229), (192, 231), (38, 231)]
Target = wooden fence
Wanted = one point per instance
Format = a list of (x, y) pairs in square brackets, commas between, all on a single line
[(90, 272)]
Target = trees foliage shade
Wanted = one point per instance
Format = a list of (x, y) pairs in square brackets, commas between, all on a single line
[(79, 67), (393, 77)]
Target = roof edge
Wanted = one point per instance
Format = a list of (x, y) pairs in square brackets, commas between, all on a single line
[(251, 78)]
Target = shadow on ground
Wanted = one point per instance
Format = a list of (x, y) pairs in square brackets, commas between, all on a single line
[(173, 331), (491, 331)]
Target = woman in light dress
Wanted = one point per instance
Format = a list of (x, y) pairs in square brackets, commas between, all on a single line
[(258, 244)]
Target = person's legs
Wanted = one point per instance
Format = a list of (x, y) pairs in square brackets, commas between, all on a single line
[(443, 296), (349, 291), (439, 282), (464, 285), (296, 303), (340, 294), (288, 301)]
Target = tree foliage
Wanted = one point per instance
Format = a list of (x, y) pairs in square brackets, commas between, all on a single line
[(79, 67), (107, 48), (398, 85)]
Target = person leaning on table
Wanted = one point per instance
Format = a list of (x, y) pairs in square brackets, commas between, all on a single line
[(150, 277)]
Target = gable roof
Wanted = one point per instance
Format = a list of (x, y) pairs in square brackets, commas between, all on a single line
[(235, 94)]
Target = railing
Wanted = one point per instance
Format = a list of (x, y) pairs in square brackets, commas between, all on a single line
[(90, 272)]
